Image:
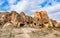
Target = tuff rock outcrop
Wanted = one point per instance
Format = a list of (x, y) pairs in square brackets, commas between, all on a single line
[(20, 25), (42, 17)]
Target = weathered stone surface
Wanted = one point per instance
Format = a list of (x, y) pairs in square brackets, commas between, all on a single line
[(15, 18), (22, 14), (37, 15), (8, 26), (15, 25), (26, 18), (29, 19), (57, 25), (3, 18), (42, 18), (54, 22)]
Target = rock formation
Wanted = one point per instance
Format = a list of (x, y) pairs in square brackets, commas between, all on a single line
[(20, 25), (3, 18), (43, 18), (18, 20), (26, 18)]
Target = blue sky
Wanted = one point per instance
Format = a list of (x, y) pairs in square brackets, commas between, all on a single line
[(30, 6)]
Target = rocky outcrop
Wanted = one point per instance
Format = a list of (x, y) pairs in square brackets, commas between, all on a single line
[(42, 17), (37, 17), (26, 18), (3, 18), (8, 26), (57, 25), (13, 17), (19, 20), (15, 25)]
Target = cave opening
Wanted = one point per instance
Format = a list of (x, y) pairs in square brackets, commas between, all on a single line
[(21, 25), (34, 23)]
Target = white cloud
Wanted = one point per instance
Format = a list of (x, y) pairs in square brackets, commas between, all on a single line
[(55, 16), (52, 8), (11, 1), (30, 6), (21, 6)]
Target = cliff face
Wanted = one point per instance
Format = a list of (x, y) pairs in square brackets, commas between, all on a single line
[(43, 18), (20, 25), (40, 19)]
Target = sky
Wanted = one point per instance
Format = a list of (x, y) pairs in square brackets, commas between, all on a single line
[(30, 6)]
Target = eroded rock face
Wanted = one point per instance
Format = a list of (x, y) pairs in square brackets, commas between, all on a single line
[(41, 15), (40, 19), (57, 25), (22, 14), (37, 17), (27, 19), (8, 26), (15, 18), (3, 18), (43, 18), (15, 25)]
